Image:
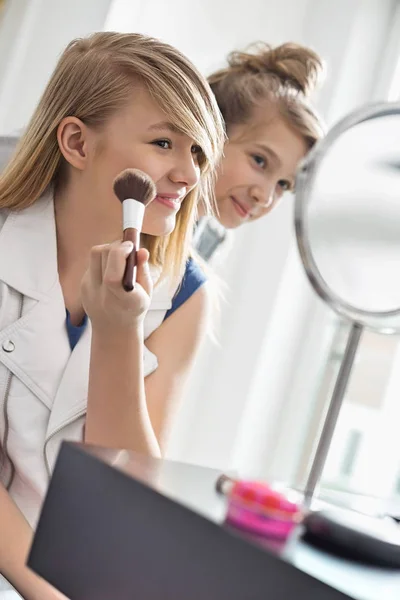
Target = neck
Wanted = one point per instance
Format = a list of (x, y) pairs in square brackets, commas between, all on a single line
[(81, 223)]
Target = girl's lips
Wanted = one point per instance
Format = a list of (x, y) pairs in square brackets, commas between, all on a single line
[(239, 208), (172, 201)]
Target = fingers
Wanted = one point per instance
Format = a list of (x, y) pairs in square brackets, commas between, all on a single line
[(103, 296), (96, 261), (107, 265), (115, 263), (142, 256), (143, 276)]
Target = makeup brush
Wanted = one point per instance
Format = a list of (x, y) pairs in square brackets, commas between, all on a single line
[(135, 190)]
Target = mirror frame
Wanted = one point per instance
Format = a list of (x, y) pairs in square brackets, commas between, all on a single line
[(380, 321)]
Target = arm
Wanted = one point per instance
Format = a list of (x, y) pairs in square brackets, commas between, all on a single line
[(117, 415), (117, 412), (121, 412), (15, 541), (175, 344)]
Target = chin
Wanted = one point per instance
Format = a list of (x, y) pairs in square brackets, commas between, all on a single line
[(233, 225), (230, 222), (160, 228), (228, 217)]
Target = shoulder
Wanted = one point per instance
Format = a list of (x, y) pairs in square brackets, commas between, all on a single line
[(184, 327), (194, 275), (175, 340), (192, 283)]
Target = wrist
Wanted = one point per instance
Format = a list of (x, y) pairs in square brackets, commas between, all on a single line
[(105, 334), (33, 587)]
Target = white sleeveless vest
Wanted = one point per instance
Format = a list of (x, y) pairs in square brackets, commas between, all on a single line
[(43, 385)]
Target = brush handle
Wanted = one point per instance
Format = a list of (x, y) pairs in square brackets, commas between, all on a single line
[(129, 278)]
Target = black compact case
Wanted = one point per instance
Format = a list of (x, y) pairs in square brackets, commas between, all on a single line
[(351, 535)]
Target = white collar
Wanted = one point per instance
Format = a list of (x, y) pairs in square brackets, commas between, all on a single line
[(28, 249)]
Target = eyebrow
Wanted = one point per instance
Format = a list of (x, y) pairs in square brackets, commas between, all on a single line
[(165, 126)]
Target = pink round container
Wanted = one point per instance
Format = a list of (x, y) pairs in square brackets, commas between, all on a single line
[(259, 509)]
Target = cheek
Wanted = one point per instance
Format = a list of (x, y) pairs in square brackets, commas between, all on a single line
[(226, 179), (221, 186), (235, 171), (107, 165), (115, 157), (150, 216)]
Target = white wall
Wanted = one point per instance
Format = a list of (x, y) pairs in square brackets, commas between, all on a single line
[(207, 30), (352, 36), (33, 33)]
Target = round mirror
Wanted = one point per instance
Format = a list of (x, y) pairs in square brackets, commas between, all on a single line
[(347, 217)]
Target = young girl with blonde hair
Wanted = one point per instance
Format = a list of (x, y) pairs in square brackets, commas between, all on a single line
[(80, 358)]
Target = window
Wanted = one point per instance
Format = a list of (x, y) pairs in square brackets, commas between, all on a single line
[(350, 453), (365, 453)]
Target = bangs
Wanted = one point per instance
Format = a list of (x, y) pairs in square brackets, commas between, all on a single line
[(188, 112)]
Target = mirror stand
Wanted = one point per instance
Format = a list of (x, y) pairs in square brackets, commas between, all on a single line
[(332, 414)]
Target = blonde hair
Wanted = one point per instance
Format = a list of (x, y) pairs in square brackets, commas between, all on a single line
[(94, 78), (283, 76)]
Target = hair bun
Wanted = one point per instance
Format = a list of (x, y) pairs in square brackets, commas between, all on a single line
[(295, 66)]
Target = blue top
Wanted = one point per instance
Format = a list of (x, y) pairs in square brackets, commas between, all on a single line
[(75, 331), (193, 278)]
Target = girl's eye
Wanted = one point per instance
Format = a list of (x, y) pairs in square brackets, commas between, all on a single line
[(199, 154), (259, 160), (165, 144), (197, 149), (285, 185)]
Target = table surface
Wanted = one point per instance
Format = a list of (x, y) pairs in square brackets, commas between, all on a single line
[(195, 488), (164, 521)]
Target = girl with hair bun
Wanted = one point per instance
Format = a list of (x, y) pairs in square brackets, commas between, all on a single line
[(263, 95)]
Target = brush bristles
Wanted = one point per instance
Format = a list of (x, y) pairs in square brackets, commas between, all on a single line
[(135, 184)]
